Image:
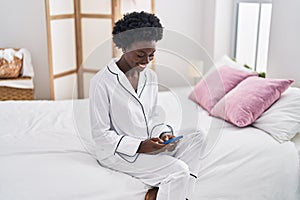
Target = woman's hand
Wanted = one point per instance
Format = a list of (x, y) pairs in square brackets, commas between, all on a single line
[(170, 146), (155, 146), (167, 137), (152, 145)]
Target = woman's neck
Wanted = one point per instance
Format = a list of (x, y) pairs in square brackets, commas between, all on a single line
[(132, 74), (123, 65)]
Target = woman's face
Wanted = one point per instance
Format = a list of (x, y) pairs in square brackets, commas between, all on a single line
[(139, 54)]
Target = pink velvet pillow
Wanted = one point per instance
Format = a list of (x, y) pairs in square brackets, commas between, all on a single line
[(214, 86), (249, 99)]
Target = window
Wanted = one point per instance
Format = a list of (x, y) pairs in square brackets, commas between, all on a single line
[(253, 19)]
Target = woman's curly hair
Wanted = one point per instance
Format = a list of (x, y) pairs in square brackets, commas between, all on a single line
[(136, 26)]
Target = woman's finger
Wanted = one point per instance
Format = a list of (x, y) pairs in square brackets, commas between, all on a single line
[(157, 140)]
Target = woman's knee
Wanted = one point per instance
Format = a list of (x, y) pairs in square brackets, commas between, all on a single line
[(181, 168), (198, 138), (178, 173)]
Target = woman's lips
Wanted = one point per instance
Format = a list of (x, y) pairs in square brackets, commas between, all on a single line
[(142, 66)]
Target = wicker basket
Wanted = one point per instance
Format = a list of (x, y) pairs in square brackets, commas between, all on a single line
[(10, 93)]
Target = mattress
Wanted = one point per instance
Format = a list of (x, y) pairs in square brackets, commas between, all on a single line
[(46, 152), (44, 156)]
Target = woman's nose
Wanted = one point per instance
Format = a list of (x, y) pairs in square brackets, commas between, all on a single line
[(147, 59)]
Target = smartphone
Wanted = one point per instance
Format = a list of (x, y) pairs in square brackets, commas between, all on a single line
[(173, 139)]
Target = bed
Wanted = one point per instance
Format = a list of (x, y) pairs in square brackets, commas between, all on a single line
[(46, 152)]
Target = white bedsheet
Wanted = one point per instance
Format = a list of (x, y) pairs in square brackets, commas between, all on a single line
[(42, 157), (46, 152), (238, 163)]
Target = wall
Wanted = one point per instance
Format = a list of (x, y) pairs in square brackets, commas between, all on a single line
[(204, 31), (181, 16), (23, 24), (284, 41), (201, 23), (224, 28), (208, 14), (182, 42), (218, 26)]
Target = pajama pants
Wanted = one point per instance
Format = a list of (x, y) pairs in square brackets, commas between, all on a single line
[(174, 172)]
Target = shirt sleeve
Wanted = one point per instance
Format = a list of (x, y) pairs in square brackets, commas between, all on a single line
[(107, 140), (128, 145), (157, 124)]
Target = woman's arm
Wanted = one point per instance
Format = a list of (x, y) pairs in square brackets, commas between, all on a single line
[(107, 140), (157, 125)]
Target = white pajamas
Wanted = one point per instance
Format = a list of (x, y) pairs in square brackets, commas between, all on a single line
[(122, 118)]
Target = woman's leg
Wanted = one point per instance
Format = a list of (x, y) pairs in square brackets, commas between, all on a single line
[(171, 175), (173, 172), (189, 150)]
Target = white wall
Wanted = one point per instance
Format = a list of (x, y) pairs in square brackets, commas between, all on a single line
[(181, 16), (218, 26), (23, 24), (224, 28), (183, 22), (285, 41), (206, 27)]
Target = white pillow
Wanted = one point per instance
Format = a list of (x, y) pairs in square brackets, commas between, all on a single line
[(282, 119), (225, 60)]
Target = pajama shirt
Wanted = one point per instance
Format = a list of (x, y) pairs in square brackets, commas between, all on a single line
[(121, 118)]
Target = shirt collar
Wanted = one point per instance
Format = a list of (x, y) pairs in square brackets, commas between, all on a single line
[(113, 67)]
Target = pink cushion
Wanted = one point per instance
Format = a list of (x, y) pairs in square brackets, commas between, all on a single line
[(214, 86), (249, 99)]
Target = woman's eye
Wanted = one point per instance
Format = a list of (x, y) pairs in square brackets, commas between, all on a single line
[(144, 55)]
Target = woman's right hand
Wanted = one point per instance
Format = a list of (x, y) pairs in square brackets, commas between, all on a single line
[(151, 146)]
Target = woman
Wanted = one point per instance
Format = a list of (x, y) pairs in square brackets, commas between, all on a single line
[(125, 121)]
